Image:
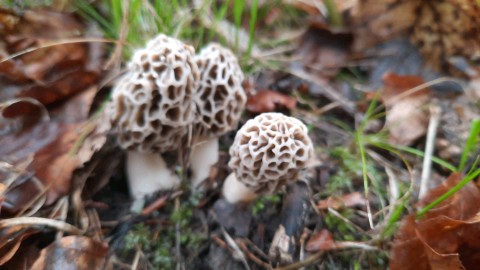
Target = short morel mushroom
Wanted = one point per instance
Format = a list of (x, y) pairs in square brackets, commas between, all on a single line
[(151, 110), (268, 153), (220, 100)]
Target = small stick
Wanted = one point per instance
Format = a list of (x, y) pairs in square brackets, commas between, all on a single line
[(435, 112)]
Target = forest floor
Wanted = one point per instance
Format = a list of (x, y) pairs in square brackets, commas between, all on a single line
[(388, 90)]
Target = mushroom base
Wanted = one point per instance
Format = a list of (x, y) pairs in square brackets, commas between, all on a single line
[(235, 191), (204, 156), (148, 173)]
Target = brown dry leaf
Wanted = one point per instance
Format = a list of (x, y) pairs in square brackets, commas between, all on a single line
[(50, 146), (406, 118), (322, 51), (322, 240), (448, 237), (269, 101), (75, 253), (441, 29), (47, 74), (349, 200), (11, 238)]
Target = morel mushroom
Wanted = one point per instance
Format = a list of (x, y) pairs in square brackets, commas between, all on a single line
[(220, 100), (151, 109), (268, 153)]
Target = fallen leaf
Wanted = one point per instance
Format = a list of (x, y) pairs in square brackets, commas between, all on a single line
[(269, 101), (322, 51), (349, 200), (51, 72), (406, 118), (448, 237), (322, 240), (11, 239), (51, 147), (73, 252)]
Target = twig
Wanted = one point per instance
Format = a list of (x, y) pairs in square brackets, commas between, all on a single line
[(62, 215), (38, 221), (157, 204), (435, 112), (254, 258), (308, 261), (331, 93), (237, 251), (136, 260)]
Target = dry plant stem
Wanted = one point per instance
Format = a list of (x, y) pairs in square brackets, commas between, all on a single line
[(236, 249), (148, 173), (63, 214), (435, 112), (115, 60), (308, 261), (136, 260), (329, 92), (234, 191), (204, 155), (37, 221), (252, 256)]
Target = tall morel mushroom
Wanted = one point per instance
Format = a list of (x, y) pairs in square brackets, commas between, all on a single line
[(268, 152), (151, 110), (220, 100)]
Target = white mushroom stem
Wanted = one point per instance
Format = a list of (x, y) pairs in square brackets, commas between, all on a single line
[(148, 173), (204, 155), (235, 191)]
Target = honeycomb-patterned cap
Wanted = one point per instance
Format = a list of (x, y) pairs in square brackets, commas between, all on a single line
[(220, 97), (152, 105), (269, 151)]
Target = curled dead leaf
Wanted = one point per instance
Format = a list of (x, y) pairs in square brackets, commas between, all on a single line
[(73, 252), (47, 68), (322, 51), (269, 101), (322, 240), (406, 118), (448, 237)]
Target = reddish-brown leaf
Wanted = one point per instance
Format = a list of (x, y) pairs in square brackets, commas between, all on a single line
[(11, 239), (50, 146), (448, 237), (322, 240), (406, 116), (269, 101), (51, 72), (73, 252)]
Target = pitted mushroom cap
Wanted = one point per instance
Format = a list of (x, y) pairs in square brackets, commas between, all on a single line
[(269, 151), (152, 105), (220, 97)]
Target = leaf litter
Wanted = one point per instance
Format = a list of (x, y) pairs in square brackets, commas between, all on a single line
[(60, 172)]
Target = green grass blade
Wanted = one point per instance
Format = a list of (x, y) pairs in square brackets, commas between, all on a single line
[(334, 16), (449, 193), (253, 22), (470, 144), (416, 152), (238, 6), (392, 222)]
